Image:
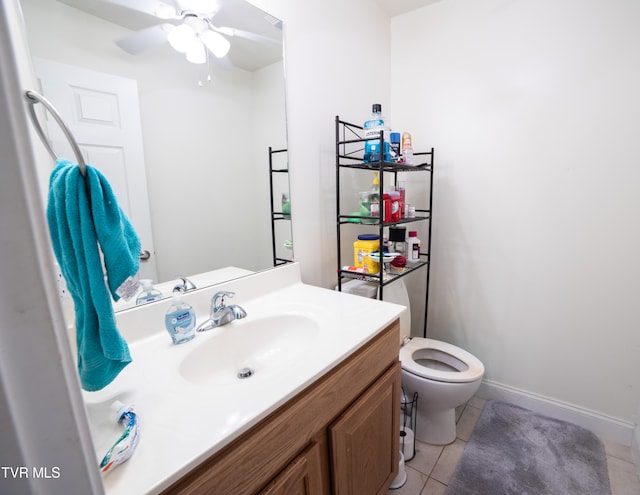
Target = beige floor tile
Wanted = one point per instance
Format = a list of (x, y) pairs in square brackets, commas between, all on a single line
[(467, 422), (448, 461), (623, 477), (414, 484), (433, 487), (426, 457), (617, 450), (477, 402)]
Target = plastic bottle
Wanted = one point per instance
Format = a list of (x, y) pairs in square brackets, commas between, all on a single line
[(148, 293), (180, 320), (372, 129), (395, 146), (374, 196), (286, 206), (386, 207), (407, 148), (395, 206), (400, 187), (413, 246)]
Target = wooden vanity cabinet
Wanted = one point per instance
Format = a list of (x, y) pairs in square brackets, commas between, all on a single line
[(338, 436)]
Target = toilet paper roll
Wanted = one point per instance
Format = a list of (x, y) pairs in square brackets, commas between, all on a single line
[(407, 442)]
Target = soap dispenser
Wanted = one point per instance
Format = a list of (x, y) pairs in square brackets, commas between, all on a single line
[(148, 293), (180, 320)]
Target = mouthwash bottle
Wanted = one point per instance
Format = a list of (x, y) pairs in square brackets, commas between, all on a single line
[(372, 129)]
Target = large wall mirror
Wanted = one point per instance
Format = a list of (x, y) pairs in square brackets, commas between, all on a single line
[(199, 133)]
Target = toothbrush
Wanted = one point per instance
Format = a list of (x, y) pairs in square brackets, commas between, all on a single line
[(124, 447)]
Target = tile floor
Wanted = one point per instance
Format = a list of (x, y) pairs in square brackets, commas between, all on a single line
[(430, 470)]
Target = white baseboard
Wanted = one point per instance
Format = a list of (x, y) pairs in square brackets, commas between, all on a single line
[(621, 432), (635, 448)]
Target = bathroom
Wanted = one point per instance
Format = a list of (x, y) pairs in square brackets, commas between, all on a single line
[(532, 108)]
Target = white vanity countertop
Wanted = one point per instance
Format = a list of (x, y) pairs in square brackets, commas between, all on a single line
[(183, 423)]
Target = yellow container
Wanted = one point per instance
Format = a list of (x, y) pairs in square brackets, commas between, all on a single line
[(361, 248)]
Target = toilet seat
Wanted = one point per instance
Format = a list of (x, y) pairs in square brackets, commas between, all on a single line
[(468, 367)]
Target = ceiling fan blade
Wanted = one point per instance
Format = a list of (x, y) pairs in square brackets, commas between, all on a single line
[(156, 8), (146, 38), (240, 33)]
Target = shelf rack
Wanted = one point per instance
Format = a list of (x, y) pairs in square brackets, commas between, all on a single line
[(275, 214), (349, 155)]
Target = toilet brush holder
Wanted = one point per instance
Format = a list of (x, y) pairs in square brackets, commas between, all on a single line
[(408, 420)]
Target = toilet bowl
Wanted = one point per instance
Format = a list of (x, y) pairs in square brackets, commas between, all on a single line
[(443, 375)]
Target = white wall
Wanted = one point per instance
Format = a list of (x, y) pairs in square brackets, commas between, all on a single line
[(532, 106), (42, 419), (336, 63), (188, 131)]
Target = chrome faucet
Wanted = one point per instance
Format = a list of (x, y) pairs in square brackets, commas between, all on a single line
[(221, 314), (185, 286)]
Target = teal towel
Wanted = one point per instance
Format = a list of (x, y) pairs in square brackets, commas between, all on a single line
[(88, 228)]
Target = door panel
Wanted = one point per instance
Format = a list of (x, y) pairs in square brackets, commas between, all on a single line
[(364, 440), (302, 477), (103, 113)]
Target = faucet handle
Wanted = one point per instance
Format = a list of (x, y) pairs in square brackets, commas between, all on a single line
[(185, 286), (217, 302)]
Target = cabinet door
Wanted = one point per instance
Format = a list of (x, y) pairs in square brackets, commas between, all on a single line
[(365, 440), (302, 477)]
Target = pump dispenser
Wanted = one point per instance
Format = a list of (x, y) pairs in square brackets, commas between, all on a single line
[(148, 293), (180, 320)]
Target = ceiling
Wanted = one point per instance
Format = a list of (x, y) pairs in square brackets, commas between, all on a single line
[(244, 54), (397, 7)]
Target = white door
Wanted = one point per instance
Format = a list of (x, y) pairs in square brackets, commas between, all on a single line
[(103, 114)]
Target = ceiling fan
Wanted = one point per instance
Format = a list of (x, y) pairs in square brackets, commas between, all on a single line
[(196, 32)]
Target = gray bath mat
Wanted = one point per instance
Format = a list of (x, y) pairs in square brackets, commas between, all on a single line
[(514, 451)]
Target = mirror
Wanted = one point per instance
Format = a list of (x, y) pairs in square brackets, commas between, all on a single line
[(205, 130)]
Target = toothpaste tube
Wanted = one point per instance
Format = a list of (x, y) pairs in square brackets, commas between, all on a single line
[(123, 449)]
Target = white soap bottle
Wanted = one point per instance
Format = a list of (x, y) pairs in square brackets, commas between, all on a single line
[(413, 246), (148, 293), (180, 320)]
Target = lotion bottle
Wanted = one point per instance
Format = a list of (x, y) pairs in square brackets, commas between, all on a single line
[(413, 246), (180, 320)]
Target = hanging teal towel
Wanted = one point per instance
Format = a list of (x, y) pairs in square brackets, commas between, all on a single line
[(85, 221)]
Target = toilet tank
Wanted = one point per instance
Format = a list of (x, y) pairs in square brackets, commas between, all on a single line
[(394, 293)]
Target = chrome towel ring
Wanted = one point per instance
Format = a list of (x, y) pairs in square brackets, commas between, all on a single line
[(32, 98)]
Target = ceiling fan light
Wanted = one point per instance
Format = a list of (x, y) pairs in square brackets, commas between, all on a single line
[(182, 37), (196, 53), (216, 43), (164, 11)]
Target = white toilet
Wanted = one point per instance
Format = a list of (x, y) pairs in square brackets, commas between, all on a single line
[(443, 375)]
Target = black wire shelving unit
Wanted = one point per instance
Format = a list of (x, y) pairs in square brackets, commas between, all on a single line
[(349, 155), (276, 215)]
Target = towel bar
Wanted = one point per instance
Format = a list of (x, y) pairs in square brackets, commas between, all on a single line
[(32, 98)]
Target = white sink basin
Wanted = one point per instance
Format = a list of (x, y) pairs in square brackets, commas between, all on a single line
[(258, 348)]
